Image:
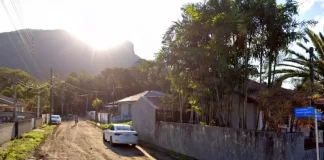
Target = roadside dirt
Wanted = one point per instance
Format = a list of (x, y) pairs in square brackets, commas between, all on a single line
[(84, 142)]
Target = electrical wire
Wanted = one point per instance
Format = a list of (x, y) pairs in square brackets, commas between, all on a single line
[(78, 87), (27, 49), (23, 84)]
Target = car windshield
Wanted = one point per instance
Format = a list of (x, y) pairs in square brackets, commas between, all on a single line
[(124, 128), (55, 116)]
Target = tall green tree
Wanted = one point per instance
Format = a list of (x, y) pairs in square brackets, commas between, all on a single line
[(97, 104)]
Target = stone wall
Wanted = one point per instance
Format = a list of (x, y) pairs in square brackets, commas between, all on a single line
[(207, 142), (7, 132)]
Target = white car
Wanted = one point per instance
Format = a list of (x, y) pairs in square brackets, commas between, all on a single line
[(120, 134), (56, 119)]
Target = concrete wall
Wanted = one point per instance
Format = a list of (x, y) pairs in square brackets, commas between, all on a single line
[(7, 132), (24, 126), (143, 118), (38, 122), (206, 142)]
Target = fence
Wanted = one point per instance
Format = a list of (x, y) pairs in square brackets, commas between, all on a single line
[(172, 116), (11, 130), (6, 117), (105, 118), (209, 142), (120, 119)]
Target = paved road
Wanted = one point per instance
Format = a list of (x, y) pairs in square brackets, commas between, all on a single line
[(84, 142)]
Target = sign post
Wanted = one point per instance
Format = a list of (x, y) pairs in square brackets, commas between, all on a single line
[(310, 112), (316, 134)]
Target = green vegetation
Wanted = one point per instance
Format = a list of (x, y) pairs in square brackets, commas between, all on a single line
[(105, 126), (207, 56), (297, 65), (97, 104), (20, 148), (26, 88)]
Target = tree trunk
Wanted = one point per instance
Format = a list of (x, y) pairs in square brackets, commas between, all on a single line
[(274, 66), (96, 116), (62, 106), (180, 100), (191, 115), (239, 113), (261, 64), (245, 89), (269, 68)]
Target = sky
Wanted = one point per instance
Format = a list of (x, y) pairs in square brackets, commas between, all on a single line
[(101, 23), (105, 23)]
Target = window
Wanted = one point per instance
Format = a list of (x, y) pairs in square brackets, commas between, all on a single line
[(124, 128), (112, 127)]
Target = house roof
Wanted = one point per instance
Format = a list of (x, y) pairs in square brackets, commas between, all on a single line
[(154, 101), (136, 97), (254, 88), (10, 101)]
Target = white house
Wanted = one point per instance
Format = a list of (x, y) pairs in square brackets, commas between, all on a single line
[(124, 105)]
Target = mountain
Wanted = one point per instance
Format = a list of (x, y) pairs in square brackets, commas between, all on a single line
[(36, 51)]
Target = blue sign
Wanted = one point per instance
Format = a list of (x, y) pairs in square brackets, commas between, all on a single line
[(319, 116), (304, 112)]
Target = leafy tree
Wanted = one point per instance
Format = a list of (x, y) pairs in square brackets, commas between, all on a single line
[(97, 104)]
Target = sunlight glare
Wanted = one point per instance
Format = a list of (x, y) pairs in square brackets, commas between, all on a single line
[(101, 40)]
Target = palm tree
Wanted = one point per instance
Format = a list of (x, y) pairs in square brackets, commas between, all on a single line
[(298, 65)]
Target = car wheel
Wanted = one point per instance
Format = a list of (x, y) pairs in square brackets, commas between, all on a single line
[(133, 145), (111, 142)]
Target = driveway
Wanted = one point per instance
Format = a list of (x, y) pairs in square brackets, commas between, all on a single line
[(84, 142)]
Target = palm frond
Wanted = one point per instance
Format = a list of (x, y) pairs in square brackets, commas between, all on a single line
[(302, 46), (298, 55), (293, 74), (293, 66)]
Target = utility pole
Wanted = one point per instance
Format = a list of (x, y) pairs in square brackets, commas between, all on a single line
[(87, 105), (113, 94), (311, 74), (51, 95), (15, 99), (38, 104)]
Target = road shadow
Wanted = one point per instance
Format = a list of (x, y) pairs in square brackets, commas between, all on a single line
[(125, 150)]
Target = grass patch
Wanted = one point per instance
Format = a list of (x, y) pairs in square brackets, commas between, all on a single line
[(20, 148), (105, 126)]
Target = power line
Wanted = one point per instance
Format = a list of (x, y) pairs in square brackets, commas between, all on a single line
[(21, 83), (62, 81), (22, 59), (27, 49)]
